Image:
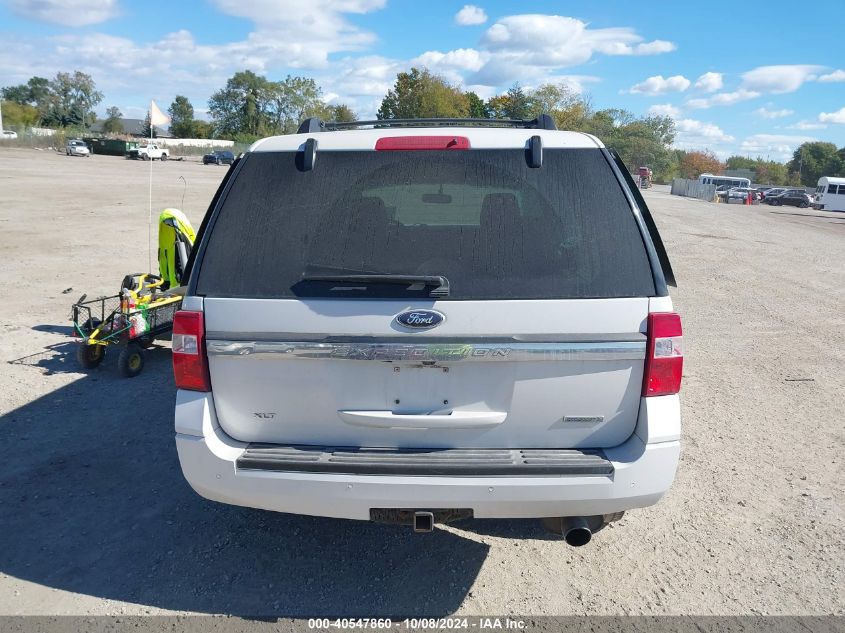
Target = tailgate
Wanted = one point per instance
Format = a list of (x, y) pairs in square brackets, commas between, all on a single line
[(494, 374)]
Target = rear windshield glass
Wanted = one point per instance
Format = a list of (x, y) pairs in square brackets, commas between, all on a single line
[(484, 220)]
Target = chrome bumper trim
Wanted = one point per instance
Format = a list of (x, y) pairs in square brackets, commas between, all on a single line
[(430, 353)]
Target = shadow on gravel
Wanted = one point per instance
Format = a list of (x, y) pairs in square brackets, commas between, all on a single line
[(53, 359), (93, 502), (510, 528), (832, 219), (67, 330)]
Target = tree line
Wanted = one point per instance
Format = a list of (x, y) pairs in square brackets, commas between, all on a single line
[(67, 100), (810, 161), (647, 140), (251, 106)]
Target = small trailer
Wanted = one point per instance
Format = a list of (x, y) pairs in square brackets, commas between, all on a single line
[(143, 310)]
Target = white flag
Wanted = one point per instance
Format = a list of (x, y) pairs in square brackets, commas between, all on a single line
[(157, 117)]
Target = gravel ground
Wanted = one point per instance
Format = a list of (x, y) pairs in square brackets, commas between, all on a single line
[(96, 518)]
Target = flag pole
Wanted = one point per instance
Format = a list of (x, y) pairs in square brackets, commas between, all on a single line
[(150, 213)]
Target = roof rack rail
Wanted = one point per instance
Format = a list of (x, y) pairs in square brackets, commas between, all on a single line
[(314, 124)]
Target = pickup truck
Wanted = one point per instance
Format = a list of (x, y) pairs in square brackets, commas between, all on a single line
[(149, 152)]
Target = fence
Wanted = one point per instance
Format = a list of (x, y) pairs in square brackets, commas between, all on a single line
[(693, 189), (204, 143)]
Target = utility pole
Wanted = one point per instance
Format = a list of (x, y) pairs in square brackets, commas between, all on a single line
[(1, 115)]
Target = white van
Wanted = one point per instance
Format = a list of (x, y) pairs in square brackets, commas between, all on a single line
[(830, 194), (418, 323)]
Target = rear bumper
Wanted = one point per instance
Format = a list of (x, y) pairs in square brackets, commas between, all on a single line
[(642, 472)]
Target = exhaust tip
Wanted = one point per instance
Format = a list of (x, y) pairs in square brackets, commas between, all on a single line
[(576, 531), (423, 522), (576, 537)]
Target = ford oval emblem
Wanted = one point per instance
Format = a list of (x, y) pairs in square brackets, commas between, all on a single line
[(420, 319)]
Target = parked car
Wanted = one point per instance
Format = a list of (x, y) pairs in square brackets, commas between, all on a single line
[(793, 198), (149, 152), (8, 135), (771, 197), (218, 158), (770, 192), (76, 147), (422, 334), (738, 193)]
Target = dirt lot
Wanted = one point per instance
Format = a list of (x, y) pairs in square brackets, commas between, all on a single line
[(96, 518)]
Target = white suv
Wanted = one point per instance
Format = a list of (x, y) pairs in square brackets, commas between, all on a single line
[(416, 322)]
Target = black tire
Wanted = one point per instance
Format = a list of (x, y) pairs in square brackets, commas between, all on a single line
[(163, 157), (803, 205), (131, 360), (89, 356)]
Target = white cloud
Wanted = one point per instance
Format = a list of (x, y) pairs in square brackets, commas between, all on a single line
[(461, 58), (806, 125), (289, 36), (285, 37), (659, 85), (779, 79), (470, 15), (527, 47), (836, 75), (765, 113), (294, 34), (777, 146), (723, 99), (833, 117), (691, 133), (664, 109), (361, 82), (576, 83), (66, 12), (709, 82), (655, 47)]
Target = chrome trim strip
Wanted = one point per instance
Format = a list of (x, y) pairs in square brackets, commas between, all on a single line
[(431, 353), (428, 337)]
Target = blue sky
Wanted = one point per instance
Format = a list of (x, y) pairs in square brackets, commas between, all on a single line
[(760, 82)]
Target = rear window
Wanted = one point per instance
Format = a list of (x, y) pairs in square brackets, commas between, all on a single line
[(495, 228)]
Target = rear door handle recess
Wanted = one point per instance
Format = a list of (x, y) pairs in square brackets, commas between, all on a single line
[(452, 420)]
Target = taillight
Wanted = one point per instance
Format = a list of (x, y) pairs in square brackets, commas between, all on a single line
[(664, 361), (190, 364), (388, 143)]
